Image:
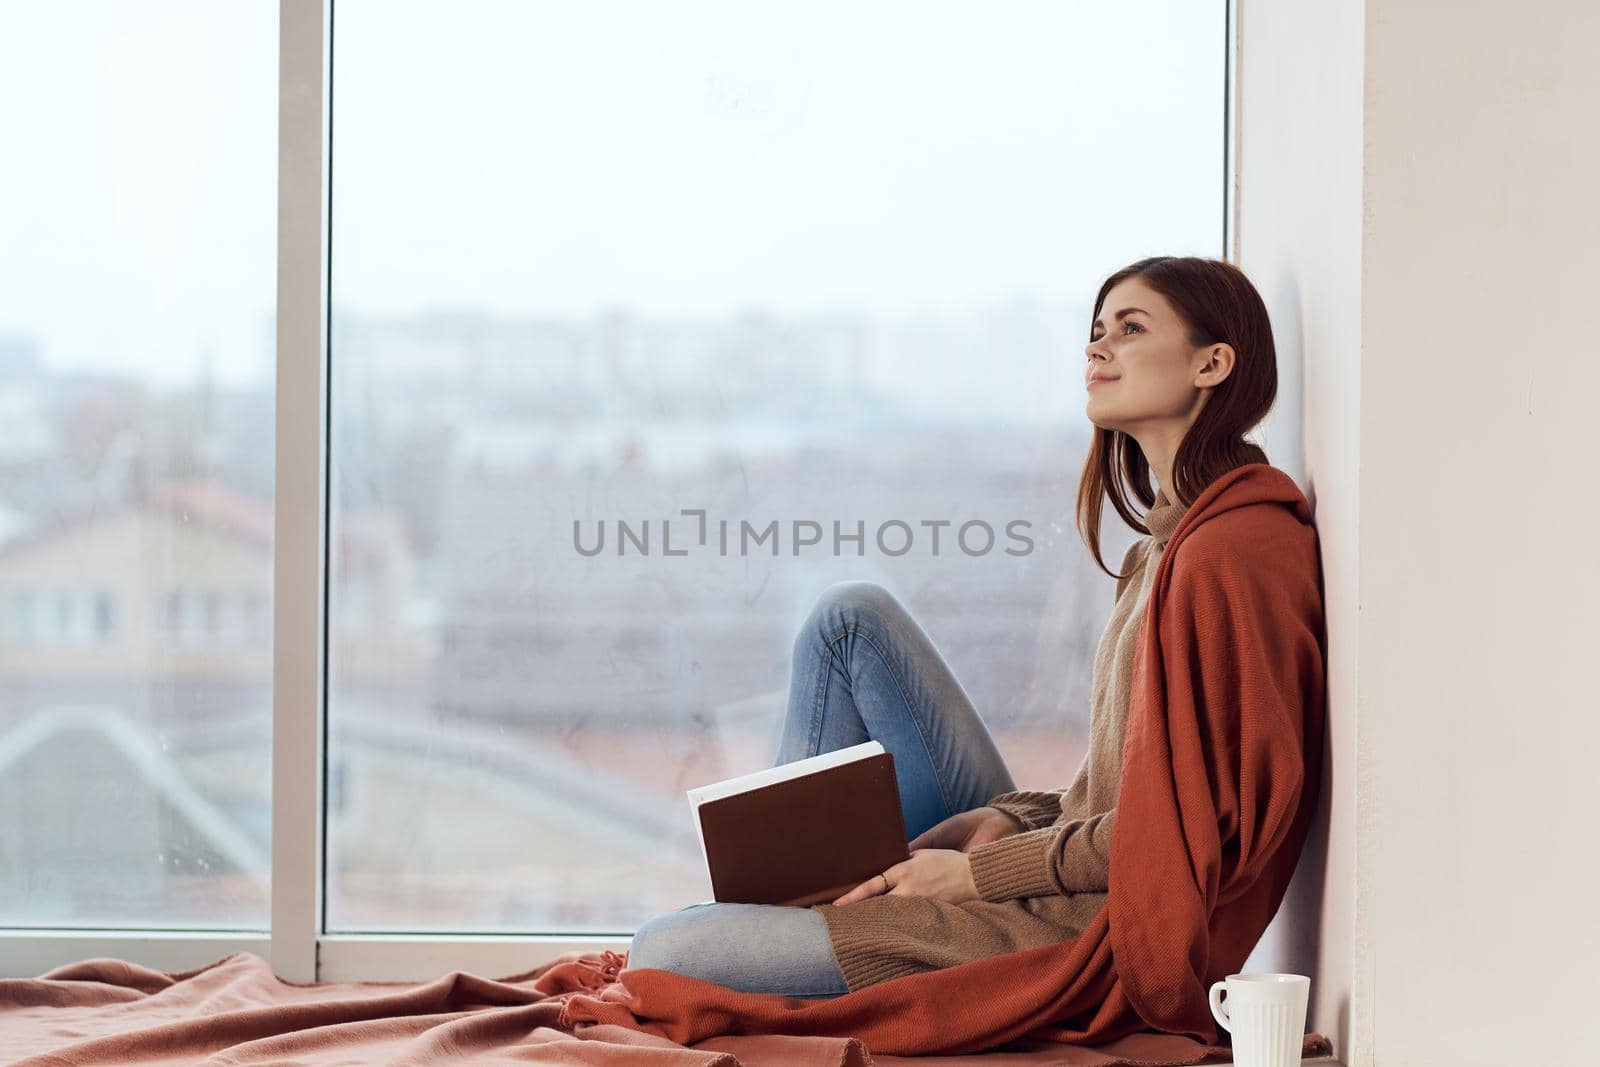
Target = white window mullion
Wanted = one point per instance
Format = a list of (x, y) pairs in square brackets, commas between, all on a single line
[(1230, 154), (300, 506)]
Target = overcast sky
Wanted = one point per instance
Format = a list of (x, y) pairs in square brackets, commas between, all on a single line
[(688, 158)]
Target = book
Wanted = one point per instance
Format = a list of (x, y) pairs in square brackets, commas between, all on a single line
[(802, 833)]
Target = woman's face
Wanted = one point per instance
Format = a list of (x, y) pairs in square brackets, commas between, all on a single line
[(1143, 376)]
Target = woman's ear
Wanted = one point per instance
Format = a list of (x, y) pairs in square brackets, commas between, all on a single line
[(1217, 367)]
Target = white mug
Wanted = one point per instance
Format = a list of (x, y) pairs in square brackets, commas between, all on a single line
[(1266, 1014)]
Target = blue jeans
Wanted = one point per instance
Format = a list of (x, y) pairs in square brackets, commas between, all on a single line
[(863, 670)]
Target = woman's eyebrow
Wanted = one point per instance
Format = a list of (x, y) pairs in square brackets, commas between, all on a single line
[(1124, 313)]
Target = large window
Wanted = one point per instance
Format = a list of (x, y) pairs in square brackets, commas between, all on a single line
[(607, 336), (651, 320), (136, 481)]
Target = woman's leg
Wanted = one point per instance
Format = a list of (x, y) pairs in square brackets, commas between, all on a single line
[(754, 948), (865, 670)]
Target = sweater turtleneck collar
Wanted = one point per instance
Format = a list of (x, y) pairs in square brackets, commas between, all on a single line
[(1163, 516)]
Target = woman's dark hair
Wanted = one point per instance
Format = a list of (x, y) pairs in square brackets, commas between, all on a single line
[(1218, 305)]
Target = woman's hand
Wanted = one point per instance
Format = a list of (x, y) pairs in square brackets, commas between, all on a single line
[(938, 866), (966, 830), (941, 873)]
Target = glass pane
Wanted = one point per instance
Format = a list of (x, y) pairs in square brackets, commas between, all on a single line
[(136, 392), (620, 263)]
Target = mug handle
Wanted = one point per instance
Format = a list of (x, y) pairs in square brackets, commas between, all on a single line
[(1218, 1012)]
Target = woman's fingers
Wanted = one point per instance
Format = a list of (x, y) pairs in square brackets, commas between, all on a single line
[(880, 884), (869, 888), (941, 835)]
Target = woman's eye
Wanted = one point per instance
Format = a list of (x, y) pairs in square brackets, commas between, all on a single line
[(1127, 326)]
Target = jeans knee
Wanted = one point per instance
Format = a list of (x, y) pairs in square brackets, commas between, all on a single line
[(658, 943), (853, 597)]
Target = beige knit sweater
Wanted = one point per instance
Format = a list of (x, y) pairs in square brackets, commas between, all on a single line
[(1046, 883)]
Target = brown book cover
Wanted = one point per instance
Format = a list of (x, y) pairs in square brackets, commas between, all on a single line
[(807, 839)]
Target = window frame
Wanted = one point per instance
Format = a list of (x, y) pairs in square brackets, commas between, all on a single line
[(295, 942)]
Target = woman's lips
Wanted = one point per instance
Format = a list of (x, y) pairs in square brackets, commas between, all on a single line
[(1099, 381)]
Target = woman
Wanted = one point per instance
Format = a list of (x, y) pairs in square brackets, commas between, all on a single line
[(1180, 365)]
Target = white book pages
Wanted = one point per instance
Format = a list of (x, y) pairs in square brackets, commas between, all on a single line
[(771, 775)]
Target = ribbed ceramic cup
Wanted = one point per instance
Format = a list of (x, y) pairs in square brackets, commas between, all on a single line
[(1266, 1014)]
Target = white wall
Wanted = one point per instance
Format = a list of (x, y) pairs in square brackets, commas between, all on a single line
[(1418, 206), (1480, 509), (1299, 240)]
